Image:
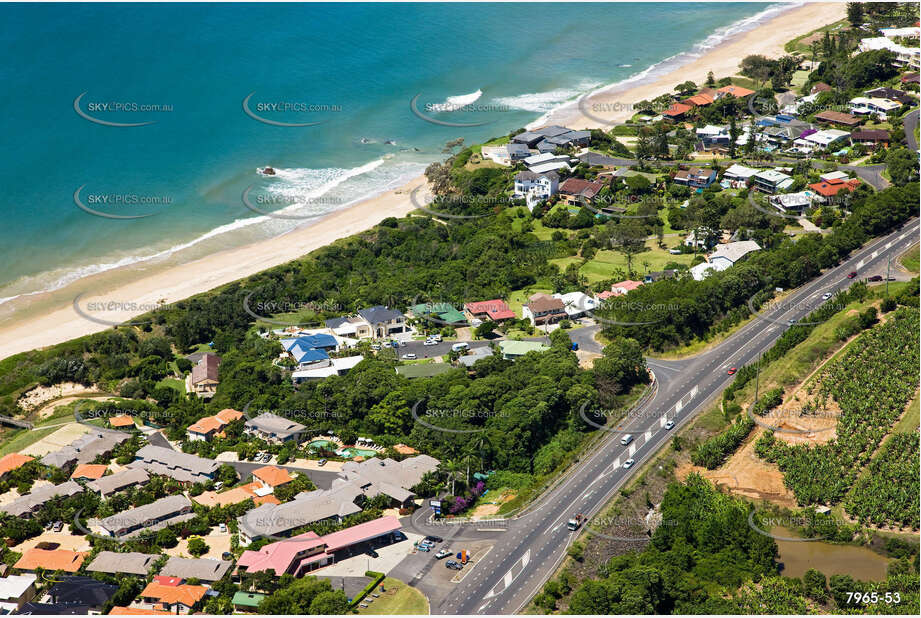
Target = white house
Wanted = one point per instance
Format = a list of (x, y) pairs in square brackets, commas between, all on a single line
[(334, 367), (546, 162), (772, 181), (862, 106), (576, 304), (792, 201), (904, 56), (726, 255), (821, 139), (536, 188), (738, 175)]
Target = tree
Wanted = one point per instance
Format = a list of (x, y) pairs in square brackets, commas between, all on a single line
[(485, 329), (855, 13), (733, 135), (197, 547), (686, 88), (329, 602), (711, 80), (628, 239), (297, 597)]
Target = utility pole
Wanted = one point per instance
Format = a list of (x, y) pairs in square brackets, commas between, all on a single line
[(757, 376), (888, 266)]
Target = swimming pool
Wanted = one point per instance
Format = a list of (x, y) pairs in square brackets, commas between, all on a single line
[(351, 452), (321, 444)]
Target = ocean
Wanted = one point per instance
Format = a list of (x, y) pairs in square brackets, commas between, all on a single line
[(338, 99)]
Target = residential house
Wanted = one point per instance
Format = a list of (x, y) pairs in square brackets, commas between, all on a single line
[(738, 175), (178, 599), (826, 139), (119, 563), (51, 560), (528, 138), (335, 367), (80, 590), (205, 570), (726, 255), (122, 422), (702, 238), (273, 428), (384, 321), (596, 159), (203, 379), (210, 426), (839, 118), (907, 57), (736, 91), (792, 202), (16, 591), (353, 327), (512, 350), (120, 610), (695, 177), (547, 162), (677, 111), (247, 602), (25, 506), (114, 483), (576, 304), (910, 78), (517, 152), (892, 94), (543, 309), (54, 609), (394, 479), (771, 181), (98, 442), (711, 137), (870, 137), (154, 516), (570, 139), (779, 137), (443, 313), (536, 188), (865, 106), (834, 190), (310, 350), (659, 275), (13, 461), (820, 87), (89, 472), (496, 310), (577, 192), (698, 100), (622, 287), (468, 360), (182, 467), (271, 477)]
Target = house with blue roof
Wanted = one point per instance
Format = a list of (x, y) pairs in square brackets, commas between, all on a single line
[(310, 350)]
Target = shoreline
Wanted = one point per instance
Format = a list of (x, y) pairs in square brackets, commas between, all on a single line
[(49, 318)]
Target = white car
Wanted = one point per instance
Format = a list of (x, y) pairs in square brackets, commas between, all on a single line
[(222, 527), (430, 342), (669, 424), (628, 463), (826, 295), (409, 356)]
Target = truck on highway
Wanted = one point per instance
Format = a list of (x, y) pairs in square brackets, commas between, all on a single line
[(575, 522)]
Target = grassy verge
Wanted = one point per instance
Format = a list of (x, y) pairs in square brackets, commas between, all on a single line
[(17, 441), (911, 259), (801, 43), (399, 598), (911, 419)]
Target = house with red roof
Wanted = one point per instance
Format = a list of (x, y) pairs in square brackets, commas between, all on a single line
[(829, 191), (496, 310), (677, 111), (307, 552), (737, 91), (13, 461), (578, 191), (698, 100), (211, 426)]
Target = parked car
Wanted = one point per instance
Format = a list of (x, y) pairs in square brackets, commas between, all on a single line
[(267, 458), (321, 463), (444, 553), (58, 526), (433, 539), (409, 356), (669, 424), (852, 274), (454, 564), (372, 553), (875, 278), (732, 371), (629, 463), (429, 342), (424, 548), (222, 527)]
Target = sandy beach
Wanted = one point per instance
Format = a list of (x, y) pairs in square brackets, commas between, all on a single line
[(51, 318), (608, 106)]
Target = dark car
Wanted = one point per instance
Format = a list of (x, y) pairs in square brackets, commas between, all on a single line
[(852, 274), (372, 553), (875, 278), (434, 539), (454, 564)]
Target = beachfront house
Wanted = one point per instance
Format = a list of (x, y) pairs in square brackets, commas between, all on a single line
[(203, 380), (547, 162), (536, 188), (578, 192)]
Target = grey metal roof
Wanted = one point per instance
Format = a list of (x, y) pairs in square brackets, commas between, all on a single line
[(175, 464), (306, 508), (379, 314), (275, 425), (552, 131), (34, 500), (134, 563), (86, 448), (205, 569), (153, 516), (118, 481)]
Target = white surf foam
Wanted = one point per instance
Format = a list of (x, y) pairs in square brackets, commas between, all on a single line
[(456, 102)]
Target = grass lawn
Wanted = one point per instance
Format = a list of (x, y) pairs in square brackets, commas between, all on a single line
[(173, 383), (799, 79), (399, 599), (801, 43), (23, 438), (603, 264), (911, 259)]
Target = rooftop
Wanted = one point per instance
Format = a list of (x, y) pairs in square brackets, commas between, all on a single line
[(51, 560), (134, 563), (204, 569)]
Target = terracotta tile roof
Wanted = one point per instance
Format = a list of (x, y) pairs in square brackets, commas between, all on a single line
[(698, 100), (13, 461), (272, 476), (269, 499), (137, 611), (838, 117), (122, 421), (831, 188), (229, 415), (677, 109), (51, 559), (402, 449), (736, 91), (206, 425), (89, 471), (170, 595), (206, 369), (581, 187), (496, 309)]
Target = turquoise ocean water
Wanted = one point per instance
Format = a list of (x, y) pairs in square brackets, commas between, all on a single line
[(187, 68)]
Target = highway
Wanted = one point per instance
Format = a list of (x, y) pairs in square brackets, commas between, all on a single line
[(533, 544)]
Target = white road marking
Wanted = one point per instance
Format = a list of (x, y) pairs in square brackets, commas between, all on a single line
[(632, 449), (662, 421), (859, 264), (648, 435), (617, 462)]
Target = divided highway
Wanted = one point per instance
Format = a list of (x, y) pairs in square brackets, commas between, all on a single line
[(526, 554)]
